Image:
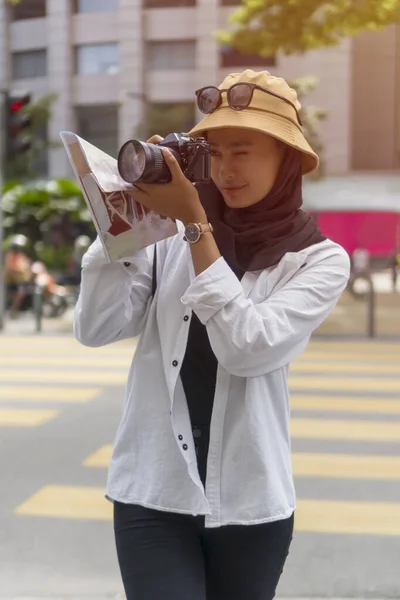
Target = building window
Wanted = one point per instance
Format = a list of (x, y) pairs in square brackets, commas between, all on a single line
[(232, 58), (163, 56), (98, 124), (168, 3), (29, 64), (28, 9), (97, 59), (98, 6)]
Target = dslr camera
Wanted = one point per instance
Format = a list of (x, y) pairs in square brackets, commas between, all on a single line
[(143, 162)]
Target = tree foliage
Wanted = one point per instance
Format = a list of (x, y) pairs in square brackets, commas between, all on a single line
[(43, 210), (265, 27)]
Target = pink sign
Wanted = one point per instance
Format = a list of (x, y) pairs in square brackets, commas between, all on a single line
[(377, 232)]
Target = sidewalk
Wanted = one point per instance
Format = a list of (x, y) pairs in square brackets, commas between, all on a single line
[(348, 319), (25, 325)]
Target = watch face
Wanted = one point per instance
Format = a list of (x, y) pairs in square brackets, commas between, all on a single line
[(192, 233)]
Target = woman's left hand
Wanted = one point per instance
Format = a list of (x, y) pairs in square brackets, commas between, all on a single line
[(178, 199)]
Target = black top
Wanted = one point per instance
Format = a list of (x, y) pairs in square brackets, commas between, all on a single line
[(198, 375)]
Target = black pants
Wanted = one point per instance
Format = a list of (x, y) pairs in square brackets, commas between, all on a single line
[(167, 556)]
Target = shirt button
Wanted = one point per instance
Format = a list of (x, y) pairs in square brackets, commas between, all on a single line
[(185, 446), (174, 363), (127, 264), (180, 437), (186, 318), (196, 433)]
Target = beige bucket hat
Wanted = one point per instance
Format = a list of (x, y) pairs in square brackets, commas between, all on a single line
[(274, 113)]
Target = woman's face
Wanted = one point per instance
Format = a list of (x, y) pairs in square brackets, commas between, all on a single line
[(244, 164)]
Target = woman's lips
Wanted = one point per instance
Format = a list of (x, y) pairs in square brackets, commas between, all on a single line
[(233, 189)]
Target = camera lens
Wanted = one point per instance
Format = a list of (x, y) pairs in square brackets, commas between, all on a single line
[(142, 162)]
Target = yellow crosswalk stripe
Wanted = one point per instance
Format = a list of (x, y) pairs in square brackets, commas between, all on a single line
[(63, 361), (23, 417), (54, 343), (31, 393), (67, 502), (347, 355), (64, 376), (100, 458), (345, 466), (350, 404), (358, 384), (336, 516), (362, 346), (317, 516), (335, 429), (344, 367)]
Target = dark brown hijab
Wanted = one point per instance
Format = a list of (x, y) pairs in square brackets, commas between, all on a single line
[(258, 236)]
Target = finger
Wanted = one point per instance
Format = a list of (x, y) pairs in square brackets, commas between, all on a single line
[(172, 163), (155, 139)]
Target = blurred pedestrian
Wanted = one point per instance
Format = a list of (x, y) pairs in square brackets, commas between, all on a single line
[(17, 272)]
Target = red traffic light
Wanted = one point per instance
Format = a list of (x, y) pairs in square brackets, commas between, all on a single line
[(17, 100), (16, 106), (17, 121)]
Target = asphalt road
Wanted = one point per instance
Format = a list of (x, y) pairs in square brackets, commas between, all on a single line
[(60, 404)]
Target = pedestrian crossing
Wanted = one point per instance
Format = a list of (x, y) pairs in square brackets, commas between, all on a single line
[(345, 427), (44, 371)]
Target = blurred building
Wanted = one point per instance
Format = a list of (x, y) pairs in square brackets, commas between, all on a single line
[(107, 58)]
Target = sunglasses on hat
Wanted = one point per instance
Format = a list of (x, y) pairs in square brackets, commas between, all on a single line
[(239, 96)]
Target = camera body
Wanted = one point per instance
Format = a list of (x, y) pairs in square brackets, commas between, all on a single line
[(143, 162), (193, 155)]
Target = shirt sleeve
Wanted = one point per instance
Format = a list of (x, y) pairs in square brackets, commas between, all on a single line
[(250, 339), (114, 297)]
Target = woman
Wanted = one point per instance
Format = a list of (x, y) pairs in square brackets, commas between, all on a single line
[(201, 474)]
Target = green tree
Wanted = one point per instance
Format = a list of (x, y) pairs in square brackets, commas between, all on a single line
[(53, 212), (265, 27)]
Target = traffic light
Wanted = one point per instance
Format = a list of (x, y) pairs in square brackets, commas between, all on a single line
[(17, 123)]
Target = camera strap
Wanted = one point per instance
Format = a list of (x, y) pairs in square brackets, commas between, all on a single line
[(154, 275)]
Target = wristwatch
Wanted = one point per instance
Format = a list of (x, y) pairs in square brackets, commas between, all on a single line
[(194, 231)]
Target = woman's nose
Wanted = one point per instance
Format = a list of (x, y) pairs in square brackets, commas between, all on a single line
[(226, 169)]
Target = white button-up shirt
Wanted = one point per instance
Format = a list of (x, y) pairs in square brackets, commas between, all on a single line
[(256, 326)]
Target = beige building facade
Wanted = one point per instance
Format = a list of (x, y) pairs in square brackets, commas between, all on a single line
[(107, 59)]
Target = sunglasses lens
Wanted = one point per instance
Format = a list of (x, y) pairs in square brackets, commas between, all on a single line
[(208, 100), (240, 96)]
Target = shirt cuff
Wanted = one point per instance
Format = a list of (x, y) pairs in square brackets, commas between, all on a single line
[(96, 257), (212, 290)]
